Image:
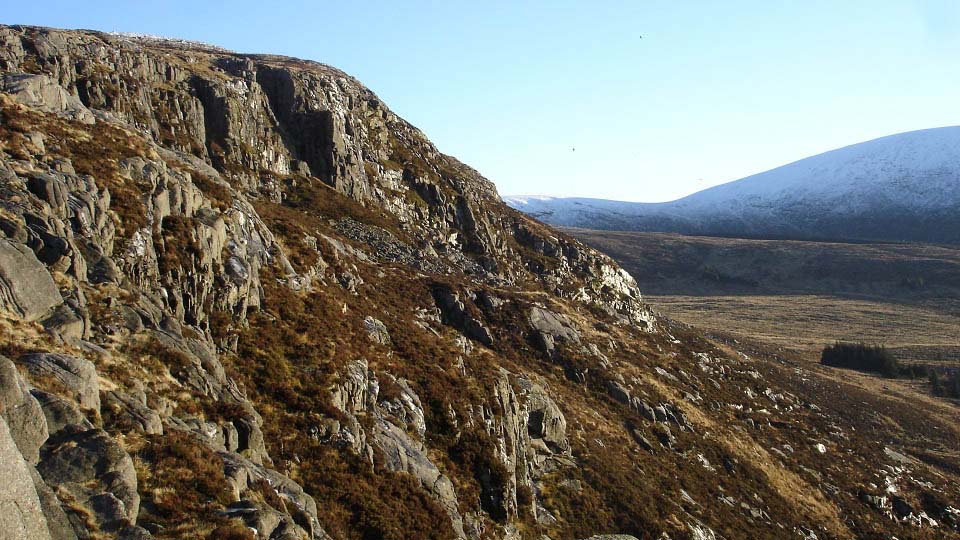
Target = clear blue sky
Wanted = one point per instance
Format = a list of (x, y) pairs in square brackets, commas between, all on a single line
[(566, 98)]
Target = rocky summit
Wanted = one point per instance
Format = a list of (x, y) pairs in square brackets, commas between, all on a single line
[(240, 298)]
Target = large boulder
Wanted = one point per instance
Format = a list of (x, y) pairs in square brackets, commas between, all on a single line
[(454, 312), (545, 420), (129, 412), (27, 290), (22, 412), (550, 327), (21, 516), (59, 412), (76, 376), (96, 473)]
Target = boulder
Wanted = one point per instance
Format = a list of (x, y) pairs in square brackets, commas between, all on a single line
[(21, 516), (76, 376), (22, 412), (545, 420), (27, 290), (59, 412), (618, 392), (96, 472), (376, 330), (456, 314), (550, 327), (123, 409)]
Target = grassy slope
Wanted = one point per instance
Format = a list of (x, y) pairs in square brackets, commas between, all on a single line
[(783, 300)]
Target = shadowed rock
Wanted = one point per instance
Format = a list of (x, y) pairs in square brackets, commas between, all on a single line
[(96, 472)]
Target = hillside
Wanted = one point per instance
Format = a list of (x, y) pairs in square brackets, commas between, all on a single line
[(911, 180), (240, 298)]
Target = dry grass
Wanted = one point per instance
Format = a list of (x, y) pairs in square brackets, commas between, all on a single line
[(800, 295), (182, 484), (807, 323)]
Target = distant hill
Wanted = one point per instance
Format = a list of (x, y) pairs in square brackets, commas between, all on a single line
[(903, 187)]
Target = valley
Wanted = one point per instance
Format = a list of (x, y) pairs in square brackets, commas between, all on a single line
[(800, 296)]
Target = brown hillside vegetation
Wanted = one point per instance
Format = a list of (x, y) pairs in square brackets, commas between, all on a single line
[(271, 308)]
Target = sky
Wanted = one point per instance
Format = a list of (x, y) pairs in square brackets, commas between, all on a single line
[(640, 101)]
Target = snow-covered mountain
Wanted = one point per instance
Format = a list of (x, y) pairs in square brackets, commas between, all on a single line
[(900, 187)]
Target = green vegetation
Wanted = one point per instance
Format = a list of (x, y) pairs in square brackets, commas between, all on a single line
[(877, 359), (861, 357), (945, 385)]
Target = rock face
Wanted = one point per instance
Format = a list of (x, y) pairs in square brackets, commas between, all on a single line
[(45, 94), (358, 393), (77, 374), (26, 288), (96, 472), (248, 299), (24, 417), (21, 516)]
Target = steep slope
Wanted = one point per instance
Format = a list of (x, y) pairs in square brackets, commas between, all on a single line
[(243, 299), (901, 187)]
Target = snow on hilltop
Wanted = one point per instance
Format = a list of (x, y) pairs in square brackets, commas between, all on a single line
[(900, 187)]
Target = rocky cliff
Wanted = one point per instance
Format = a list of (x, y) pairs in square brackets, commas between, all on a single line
[(241, 298)]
